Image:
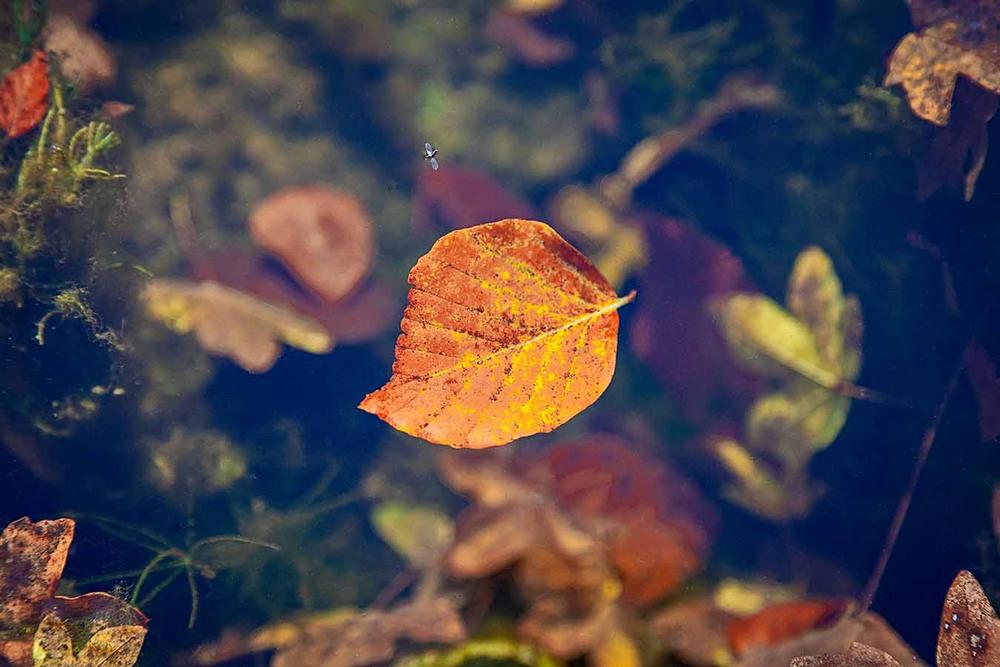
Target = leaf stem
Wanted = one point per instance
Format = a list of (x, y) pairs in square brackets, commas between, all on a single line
[(926, 442)]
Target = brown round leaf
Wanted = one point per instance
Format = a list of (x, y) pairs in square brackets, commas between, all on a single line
[(324, 236), (510, 331)]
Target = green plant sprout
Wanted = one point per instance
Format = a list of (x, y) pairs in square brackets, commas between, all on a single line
[(204, 557), (59, 163)]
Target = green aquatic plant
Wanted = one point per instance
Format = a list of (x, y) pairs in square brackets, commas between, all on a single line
[(62, 159), (494, 651), (810, 348), (71, 303), (203, 557)]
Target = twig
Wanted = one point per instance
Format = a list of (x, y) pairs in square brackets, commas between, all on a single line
[(904, 501)]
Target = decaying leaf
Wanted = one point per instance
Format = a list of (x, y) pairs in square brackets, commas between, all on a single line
[(24, 96), (673, 330), (957, 152), (421, 535), (969, 634), (858, 655), (324, 236), (510, 331), (344, 637), (781, 635), (117, 646), (928, 63), (811, 348), (457, 197), (226, 321), (32, 557), (591, 529), (84, 58)]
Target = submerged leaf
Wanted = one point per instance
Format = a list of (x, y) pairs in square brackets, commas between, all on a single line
[(24, 96), (117, 646), (769, 340), (34, 621), (858, 655), (969, 634), (32, 558), (421, 535), (324, 236), (928, 63), (510, 331), (229, 322)]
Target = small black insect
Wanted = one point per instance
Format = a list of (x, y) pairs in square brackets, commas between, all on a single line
[(430, 154)]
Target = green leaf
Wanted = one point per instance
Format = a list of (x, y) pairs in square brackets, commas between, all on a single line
[(420, 535), (770, 341)]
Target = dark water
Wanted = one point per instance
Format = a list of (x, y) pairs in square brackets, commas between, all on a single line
[(133, 429)]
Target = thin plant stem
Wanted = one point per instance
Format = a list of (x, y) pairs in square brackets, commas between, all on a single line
[(150, 566), (167, 580), (926, 443), (194, 596)]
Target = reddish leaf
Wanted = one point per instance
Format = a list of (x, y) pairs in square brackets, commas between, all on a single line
[(24, 96), (32, 557), (324, 236), (455, 197), (674, 332), (781, 622)]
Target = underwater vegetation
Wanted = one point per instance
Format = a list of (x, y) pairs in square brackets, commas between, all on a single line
[(709, 287)]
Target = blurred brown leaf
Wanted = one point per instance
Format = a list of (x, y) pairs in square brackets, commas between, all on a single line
[(592, 530), (342, 637), (674, 331), (84, 58), (324, 236), (957, 152), (225, 321), (457, 197)]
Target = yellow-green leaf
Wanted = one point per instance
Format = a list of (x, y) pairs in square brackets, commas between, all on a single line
[(769, 340), (421, 535)]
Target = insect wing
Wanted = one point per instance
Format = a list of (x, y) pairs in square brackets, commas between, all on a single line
[(428, 149), (434, 164)]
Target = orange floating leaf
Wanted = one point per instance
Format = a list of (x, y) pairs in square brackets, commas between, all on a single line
[(509, 331), (24, 96)]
